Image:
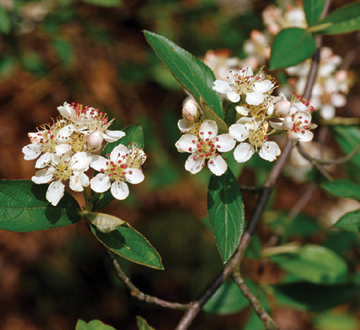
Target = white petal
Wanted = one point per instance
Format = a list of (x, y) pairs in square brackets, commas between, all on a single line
[(119, 190), (233, 96), (112, 136), (208, 129), (263, 86), (66, 110), (31, 151), (134, 176), (100, 183), (62, 149), (269, 151), (254, 98), (224, 142), (221, 86), (118, 152), (44, 160), (42, 176), (243, 152), (306, 136), (55, 192), (78, 181), (338, 100), (244, 111), (65, 133), (239, 132), (194, 165), (217, 165), (327, 112), (278, 125), (80, 161), (98, 163), (187, 143), (183, 127)]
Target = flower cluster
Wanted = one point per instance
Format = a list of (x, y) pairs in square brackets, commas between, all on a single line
[(68, 147), (259, 115)]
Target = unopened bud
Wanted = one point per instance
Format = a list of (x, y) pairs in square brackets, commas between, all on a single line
[(33, 137), (190, 111), (282, 108), (94, 141)]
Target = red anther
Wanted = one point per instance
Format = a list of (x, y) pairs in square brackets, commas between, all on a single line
[(216, 154), (265, 136), (306, 127), (203, 165), (200, 150), (107, 155), (198, 145), (213, 149), (193, 141), (190, 149), (102, 170), (202, 143), (303, 131), (51, 136), (130, 172), (207, 140), (201, 133), (216, 139), (306, 121), (211, 162), (107, 163), (218, 146), (294, 93), (195, 157), (209, 133), (201, 155)]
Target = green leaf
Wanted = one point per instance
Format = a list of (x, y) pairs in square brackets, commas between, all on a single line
[(210, 114), (4, 21), (228, 299), (230, 113), (348, 137), (343, 188), (313, 10), (134, 137), (344, 20), (92, 325), (350, 221), (290, 47), (312, 263), (315, 297), (130, 244), (226, 213), (336, 321), (142, 324), (106, 223), (64, 51), (104, 3), (23, 207), (196, 77)]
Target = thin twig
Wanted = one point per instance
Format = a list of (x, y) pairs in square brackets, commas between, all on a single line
[(254, 301), (134, 291), (337, 161)]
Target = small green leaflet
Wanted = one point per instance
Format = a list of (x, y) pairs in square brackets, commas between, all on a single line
[(290, 47), (313, 10), (142, 324), (4, 21), (343, 188), (130, 244), (104, 3), (343, 20), (350, 221), (92, 325), (23, 207), (226, 213), (196, 77)]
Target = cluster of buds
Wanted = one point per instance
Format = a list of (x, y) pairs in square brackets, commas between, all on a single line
[(259, 115), (67, 148)]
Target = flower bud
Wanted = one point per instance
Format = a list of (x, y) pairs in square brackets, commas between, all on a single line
[(94, 141), (282, 108), (190, 111)]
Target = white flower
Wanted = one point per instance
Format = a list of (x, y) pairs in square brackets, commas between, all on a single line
[(124, 165), (86, 120), (246, 83), (298, 125), (255, 132), (63, 168), (206, 148)]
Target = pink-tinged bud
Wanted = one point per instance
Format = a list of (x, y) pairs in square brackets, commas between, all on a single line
[(33, 137), (94, 141), (190, 111), (282, 108)]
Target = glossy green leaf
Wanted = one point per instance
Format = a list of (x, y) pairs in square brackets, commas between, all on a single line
[(106, 223), (228, 299), (350, 221), (312, 263), (92, 325), (104, 3), (142, 324), (343, 188), (348, 137), (313, 10), (226, 213), (23, 207), (130, 244), (315, 297), (344, 20), (4, 21), (134, 137), (290, 47), (196, 77)]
